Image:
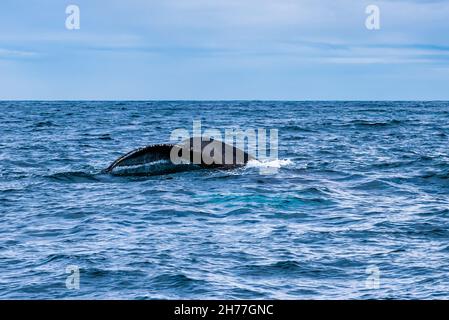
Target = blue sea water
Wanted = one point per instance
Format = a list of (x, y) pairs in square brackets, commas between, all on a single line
[(358, 210)]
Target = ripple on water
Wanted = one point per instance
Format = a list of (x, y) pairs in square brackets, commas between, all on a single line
[(365, 185)]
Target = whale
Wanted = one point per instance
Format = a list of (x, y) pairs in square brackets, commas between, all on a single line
[(193, 153)]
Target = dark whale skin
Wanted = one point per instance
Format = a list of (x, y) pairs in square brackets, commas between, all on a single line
[(141, 156), (189, 151)]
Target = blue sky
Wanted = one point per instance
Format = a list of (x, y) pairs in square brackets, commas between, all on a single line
[(224, 49)]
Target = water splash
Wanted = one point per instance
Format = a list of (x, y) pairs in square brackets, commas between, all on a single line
[(277, 164)]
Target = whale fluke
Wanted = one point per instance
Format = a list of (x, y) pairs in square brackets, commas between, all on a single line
[(203, 152), (142, 156)]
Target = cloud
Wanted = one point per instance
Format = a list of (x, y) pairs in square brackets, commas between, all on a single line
[(15, 54), (202, 27), (218, 46)]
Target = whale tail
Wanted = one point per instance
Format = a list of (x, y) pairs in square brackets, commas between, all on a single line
[(142, 156), (206, 153)]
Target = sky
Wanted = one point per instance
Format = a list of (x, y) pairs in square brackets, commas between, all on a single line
[(224, 50)]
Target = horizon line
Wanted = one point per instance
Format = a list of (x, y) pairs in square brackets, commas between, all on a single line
[(220, 100)]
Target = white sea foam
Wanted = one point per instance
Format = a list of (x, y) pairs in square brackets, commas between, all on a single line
[(278, 163)]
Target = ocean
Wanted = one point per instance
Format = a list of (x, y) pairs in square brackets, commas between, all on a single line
[(358, 208)]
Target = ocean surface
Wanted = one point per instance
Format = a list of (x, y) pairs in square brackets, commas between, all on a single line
[(358, 209)]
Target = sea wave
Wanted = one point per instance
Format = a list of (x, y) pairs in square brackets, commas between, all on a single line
[(358, 186)]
